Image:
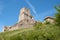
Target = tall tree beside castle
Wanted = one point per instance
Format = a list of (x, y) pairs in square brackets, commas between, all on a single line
[(57, 15)]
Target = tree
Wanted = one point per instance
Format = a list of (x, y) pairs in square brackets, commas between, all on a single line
[(47, 22), (38, 24), (57, 15)]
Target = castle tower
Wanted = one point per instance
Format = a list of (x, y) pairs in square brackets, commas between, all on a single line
[(25, 20), (24, 14)]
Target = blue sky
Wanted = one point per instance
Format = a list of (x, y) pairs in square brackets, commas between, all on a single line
[(9, 10)]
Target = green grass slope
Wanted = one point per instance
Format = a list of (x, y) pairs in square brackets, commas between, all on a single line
[(47, 32)]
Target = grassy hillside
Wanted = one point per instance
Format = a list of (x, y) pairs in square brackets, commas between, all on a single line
[(46, 32)]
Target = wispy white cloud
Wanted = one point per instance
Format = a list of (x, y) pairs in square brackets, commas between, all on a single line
[(31, 6)]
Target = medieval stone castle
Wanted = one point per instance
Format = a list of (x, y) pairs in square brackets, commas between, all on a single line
[(26, 20)]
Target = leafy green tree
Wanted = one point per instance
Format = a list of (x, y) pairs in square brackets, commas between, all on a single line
[(47, 22), (57, 15), (38, 24)]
